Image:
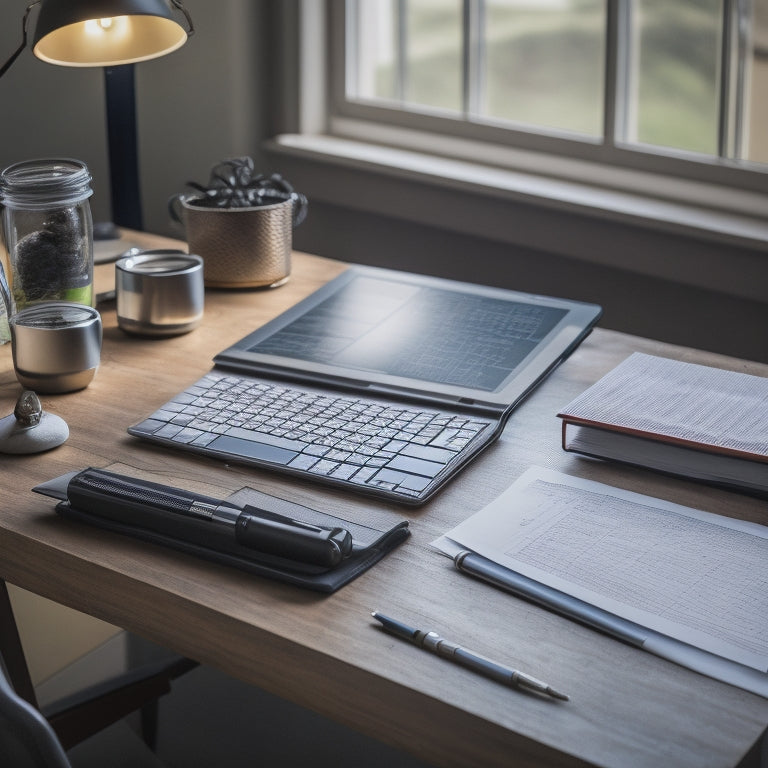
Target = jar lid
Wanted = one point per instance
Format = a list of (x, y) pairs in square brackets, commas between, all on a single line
[(55, 315), (160, 262), (38, 184)]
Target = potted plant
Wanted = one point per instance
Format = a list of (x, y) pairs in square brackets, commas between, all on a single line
[(241, 223)]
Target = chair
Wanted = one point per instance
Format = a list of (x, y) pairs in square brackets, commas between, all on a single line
[(26, 737), (29, 737)]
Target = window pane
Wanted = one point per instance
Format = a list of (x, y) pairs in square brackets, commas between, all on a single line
[(433, 43), (408, 51), (757, 138), (674, 74), (544, 63), (375, 51)]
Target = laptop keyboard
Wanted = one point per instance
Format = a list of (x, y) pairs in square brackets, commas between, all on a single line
[(383, 447)]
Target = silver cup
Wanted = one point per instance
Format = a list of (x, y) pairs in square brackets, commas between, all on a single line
[(56, 346), (159, 293)]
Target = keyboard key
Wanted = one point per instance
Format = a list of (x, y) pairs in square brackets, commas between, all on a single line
[(395, 446), (388, 478), (324, 467), (317, 450), (364, 474), (335, 455), (428, 453), (304, 461), (168, 431), (415, 466), (263, 437), (344, 471), (187, 435), (185, 398), (204, 439), (414, 483), (251, 450), (149, 426), (163, 415), (445, 439)]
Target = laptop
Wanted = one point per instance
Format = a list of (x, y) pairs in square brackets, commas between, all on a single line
[(381, 382)]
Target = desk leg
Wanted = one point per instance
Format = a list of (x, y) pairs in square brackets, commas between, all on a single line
[(12, 651)]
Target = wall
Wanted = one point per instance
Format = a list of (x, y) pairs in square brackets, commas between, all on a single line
[(200, 104)]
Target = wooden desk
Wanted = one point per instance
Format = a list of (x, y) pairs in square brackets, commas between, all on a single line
[(627, 708)]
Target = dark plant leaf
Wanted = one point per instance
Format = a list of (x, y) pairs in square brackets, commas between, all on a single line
[(233, 184)]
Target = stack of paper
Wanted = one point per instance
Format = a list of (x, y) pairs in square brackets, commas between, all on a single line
[(683, 583)]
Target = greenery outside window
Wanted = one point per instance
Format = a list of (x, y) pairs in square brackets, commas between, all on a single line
[(673, 88)]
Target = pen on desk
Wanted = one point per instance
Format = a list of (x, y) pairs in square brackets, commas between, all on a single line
[(431, 641), (123, 498), (552, 599)]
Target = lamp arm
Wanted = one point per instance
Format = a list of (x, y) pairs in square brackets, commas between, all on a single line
[(23, 45), (179, 6)]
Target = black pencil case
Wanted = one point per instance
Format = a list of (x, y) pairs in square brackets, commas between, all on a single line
[(370, 541)]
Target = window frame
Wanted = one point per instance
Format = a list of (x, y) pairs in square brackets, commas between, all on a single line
[(605, 161)]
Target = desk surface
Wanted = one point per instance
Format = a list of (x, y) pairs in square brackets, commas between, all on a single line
[(627, 708)]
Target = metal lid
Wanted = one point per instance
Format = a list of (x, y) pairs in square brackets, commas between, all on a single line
[(159, 263), (55, 315)]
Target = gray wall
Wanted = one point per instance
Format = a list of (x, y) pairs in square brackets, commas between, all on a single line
[(200, 104), (228, 90)]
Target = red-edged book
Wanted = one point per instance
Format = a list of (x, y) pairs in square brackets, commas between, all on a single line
[(703, 423)]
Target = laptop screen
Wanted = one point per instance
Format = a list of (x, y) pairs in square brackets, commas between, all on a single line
[(416, 332), (399, 330)]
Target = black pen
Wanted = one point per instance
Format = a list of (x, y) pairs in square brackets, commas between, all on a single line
[(431, 641), (121, 498)]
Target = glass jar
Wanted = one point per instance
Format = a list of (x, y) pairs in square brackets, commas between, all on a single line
[(48, 231)]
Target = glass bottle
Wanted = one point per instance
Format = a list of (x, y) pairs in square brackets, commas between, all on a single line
[(48, 231)]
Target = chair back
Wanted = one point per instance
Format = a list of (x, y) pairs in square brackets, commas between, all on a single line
[(26, 738)]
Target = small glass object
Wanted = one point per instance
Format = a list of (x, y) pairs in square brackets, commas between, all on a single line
[(48, 231)]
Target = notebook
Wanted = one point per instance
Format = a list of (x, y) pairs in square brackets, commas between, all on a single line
[(380, 382)]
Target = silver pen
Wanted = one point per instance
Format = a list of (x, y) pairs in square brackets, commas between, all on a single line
[(431, 641)]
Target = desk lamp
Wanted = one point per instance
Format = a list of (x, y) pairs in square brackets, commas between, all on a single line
[(113, 34)]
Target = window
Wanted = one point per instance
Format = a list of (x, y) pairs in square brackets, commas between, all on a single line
[(672, 86)]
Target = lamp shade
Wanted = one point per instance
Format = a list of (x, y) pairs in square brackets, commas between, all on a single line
[(104, 33)]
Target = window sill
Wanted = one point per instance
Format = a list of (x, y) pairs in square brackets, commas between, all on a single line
[(690, 243)]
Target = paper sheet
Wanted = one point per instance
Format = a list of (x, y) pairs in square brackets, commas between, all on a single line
[(691, 575)]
